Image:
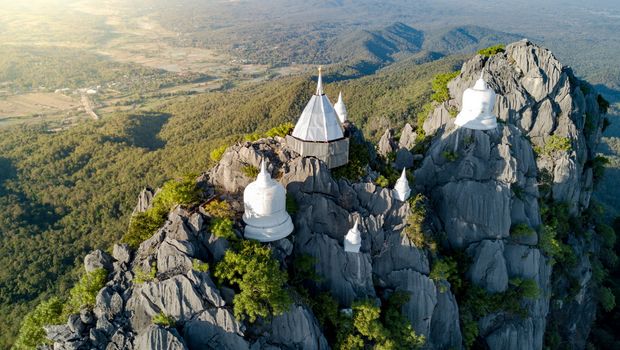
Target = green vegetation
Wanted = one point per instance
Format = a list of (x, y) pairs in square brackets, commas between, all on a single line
[(370, 327), (142, 277), (84, 293), (554, 144), (603, 104), (358, 160), (445, 270), (219, 209), (450, 156), (174, 192), (252, 268), (55, 311), (222, 228), (440, 86), (606, 299), (382, 181), (598, 168), (200, 266), (217, 153), (163, 320), (250, 171), (492, 50), (522, 230), (415, 224), (424, 112), (31, 333)]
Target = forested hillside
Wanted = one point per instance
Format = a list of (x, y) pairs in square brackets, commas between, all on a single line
[(66, 193)]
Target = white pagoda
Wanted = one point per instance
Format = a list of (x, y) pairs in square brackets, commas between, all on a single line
[(265, 213), (401, 188), (477, 107), (341, 109), (318, 132), (353, 239)]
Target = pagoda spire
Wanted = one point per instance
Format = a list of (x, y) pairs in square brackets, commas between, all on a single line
[(319, 85)]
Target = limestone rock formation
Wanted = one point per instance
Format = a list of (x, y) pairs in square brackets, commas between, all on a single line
[(480, 185)]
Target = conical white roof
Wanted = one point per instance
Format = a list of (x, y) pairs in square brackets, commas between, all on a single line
[(319, 121), (341, 109), (401, 188)]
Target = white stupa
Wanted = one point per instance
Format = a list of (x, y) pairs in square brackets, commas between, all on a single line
[(341, 109), (353, 239), (265, 213), (477, 107), (401, 188)]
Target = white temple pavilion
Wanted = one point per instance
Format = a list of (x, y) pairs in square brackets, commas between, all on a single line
[(353, 239), (477, 107), (265, 213), (318, 132)]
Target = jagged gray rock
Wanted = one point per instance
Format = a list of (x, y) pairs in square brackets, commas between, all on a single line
[(386, 144), (97, 259), (158, 338), (214, 328), (297, 329)]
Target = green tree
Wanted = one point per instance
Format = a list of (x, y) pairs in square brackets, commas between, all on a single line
[(31, 333), (253, 269)]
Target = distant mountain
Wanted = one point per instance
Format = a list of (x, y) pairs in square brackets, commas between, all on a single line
[(466, 39), (379, 46)]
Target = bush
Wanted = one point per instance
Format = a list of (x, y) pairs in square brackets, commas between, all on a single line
[(358, 160), (415, 224), (444, 270), (367, 329), (84, 293), (382, 181), (492, 50), (250, 171), (522, 230), (216, 154), (142, 277), (525, 288), (450, 156), (163, 320), (219, 209), (555, 144), (253, 269), (440, 86), (200, 266), (281, 130), (141, 227), (548, 243), (598, 168), (606, 299), (174, 192), (222, 228), (31, 334)]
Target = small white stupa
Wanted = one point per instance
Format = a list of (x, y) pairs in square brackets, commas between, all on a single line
[(353, 239), (401, 188), (477, 107), (265, 213), (341, 109)]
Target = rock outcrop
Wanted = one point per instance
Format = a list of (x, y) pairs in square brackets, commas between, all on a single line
[(480, 185)]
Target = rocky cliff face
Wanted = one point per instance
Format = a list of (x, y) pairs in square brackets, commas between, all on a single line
[(480, 184)]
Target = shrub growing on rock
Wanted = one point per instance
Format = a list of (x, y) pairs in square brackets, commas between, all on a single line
[(31, 334), (219, 209), (492, 50), (440, 86), (163, 320), (222, 228), (174, 192), (252, 268), (84, 293)]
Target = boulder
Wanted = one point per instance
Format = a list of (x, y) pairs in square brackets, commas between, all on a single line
[(214, 328), (97, 259)]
